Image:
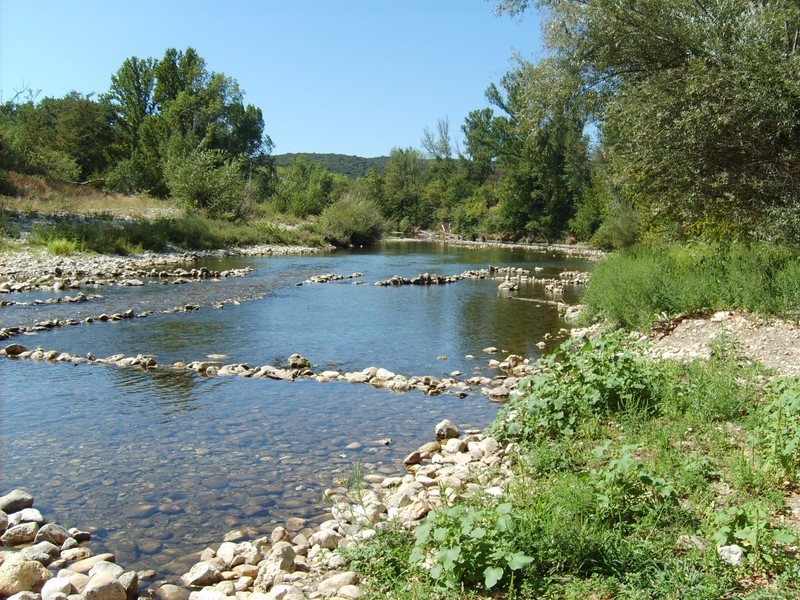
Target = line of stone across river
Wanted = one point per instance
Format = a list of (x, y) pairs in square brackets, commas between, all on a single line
[(42, 562)]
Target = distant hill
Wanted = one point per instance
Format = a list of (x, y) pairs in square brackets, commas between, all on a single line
[(352, 166)]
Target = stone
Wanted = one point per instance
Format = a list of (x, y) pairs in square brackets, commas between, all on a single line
[(106, 567), (55, 534), (18, 574), (104, 586), (85, 565), (76, 554), (499, 393), (14, 350), (279, 560), (202, 573), (412, 459), (16, 500), (446, 429), (279, 534), (43, 552), (284, 591), (326, 538), (454, 445), (338, 581), (130, 582), (384, 374), (351, 592), (57, 585), (24, 533), (3, 520), (169, 591), (732, 555), (26, 515), (26, 596)]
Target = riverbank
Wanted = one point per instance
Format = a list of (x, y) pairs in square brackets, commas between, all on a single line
[(648, 472)]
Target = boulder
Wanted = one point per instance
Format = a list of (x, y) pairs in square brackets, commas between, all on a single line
[(104, 586), (338, 581), (43, 552), (16, 500), (18, 574), (26, 515), (85, 565), (15, 350), (732, 555), (280, 560), (109, 568), (57, 585), (55, 534), (203, 573), (24, 533), (446, 429), (172, 592)]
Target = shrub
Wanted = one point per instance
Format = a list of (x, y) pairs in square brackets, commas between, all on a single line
[(468, 546), (351, 221), (583, 379), (205, 180)]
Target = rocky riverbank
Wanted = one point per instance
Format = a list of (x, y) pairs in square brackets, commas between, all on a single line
[(284, 565), (45, 561), (38, 270)]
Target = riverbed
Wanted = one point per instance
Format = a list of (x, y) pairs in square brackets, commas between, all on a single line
[(161, 463)]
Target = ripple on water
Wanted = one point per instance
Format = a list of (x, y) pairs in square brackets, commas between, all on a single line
[(161, 464)]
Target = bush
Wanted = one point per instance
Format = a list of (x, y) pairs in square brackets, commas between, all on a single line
[(582, 380), (205, 180), (351, 221)]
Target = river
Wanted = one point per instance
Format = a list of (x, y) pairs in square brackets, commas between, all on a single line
[(160, 464)]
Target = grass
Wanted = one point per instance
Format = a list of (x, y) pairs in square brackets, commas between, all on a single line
[(635, 288), (597, 503), (83, 219)]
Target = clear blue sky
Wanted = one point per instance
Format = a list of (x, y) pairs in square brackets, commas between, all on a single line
[(349, 76)]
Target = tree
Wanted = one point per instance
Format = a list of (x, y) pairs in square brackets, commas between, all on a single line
[(404, 180), (131, 93), (698, 103)]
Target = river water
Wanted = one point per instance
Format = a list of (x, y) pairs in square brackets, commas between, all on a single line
[(159, 465)]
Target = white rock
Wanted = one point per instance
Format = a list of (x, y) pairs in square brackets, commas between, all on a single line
[(202, 573), (109, 568), (59, 585), (446, 429), (104, 586), (285, 592), (732, 555), (26, 515), (336, 582)]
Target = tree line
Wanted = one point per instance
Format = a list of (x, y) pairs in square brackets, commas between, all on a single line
[(650, 119)]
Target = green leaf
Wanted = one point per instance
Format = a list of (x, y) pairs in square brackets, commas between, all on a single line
[(517, 560), (491, 576)]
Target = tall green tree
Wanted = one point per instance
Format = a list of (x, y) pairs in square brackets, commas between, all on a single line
[(698, 103)]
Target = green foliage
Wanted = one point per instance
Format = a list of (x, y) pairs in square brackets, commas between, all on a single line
[(627, 491), (61, 247), (697, 105), (305, 189), (779, 426), (204, 180), (351, 221), (582, 380), (635, 287), (750, 527), (353, 167), (469, 547)]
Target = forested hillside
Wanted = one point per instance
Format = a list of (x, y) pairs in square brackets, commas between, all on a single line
[(340, 164)]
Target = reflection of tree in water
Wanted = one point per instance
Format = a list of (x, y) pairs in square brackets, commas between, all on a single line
[(510, 325), (167, 391)]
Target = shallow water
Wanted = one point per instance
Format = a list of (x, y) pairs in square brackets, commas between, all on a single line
[(161, 464)]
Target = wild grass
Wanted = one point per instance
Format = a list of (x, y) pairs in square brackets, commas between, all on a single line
[(606, 507), (106, 235), (634, 288)]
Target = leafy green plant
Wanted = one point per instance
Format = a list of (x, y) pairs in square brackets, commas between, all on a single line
[(627, 490), (750, 527), (467, 546), (584, 378), (779, 426)]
